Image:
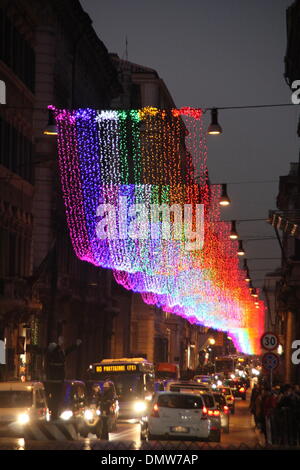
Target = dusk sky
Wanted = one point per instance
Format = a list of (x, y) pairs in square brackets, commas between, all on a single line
[(220, 53)]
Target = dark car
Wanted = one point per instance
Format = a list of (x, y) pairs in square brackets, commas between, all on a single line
[(214, 415), (238, 388), (224, 410), (103, 408), (67, 401)]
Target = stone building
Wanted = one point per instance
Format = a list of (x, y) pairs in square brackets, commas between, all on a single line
[(19, 303), (50, 55)]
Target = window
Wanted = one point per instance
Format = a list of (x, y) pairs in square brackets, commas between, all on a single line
[(187, 402), (16, 52), (15, 399), (40, 399), (15, 151)]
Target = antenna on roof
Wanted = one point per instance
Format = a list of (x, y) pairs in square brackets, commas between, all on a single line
[(126, 48)]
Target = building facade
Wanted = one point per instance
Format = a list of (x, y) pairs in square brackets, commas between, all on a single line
[(50, 54)]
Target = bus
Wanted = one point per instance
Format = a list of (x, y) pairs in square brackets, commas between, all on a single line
[(166, 370), (133, 379), (225, 364)]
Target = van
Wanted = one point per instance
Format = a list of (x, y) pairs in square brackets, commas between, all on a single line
[(21, 404)]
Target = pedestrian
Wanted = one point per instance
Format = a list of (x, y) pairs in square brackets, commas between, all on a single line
[(55, 372), (258, 410), (254, 394)]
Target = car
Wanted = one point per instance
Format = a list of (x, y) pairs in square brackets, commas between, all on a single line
[(176, 415), (230, 400), (204, 379), (21, 404), (68, 401), (214, 415), (238, 388), (210, 404), (224, 410), (178, 386), (103, 408)]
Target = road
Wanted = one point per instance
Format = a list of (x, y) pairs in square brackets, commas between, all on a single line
[(128, 437)]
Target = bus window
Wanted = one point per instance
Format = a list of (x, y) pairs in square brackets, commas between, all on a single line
[(149, 383)]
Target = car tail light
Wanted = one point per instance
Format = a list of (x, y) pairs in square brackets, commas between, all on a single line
[(226, 409), (210, 412), (216, 413), (155, 413), (242, 389), (204, 413)]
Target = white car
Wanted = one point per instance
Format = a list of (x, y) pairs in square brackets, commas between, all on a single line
[(173, 414), (21, 403)]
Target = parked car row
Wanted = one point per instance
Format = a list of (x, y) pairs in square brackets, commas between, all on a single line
[(91, 406)]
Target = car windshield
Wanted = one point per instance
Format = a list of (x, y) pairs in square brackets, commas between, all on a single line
[(231, 383), (15, 398), (187, 402), (179, 387), (209, 401), (219, 399)]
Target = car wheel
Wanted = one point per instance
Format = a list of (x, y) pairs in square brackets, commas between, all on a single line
[(98, 429), (104, 433), (215, 437), (114, 426), (226, 429), (150, 437)]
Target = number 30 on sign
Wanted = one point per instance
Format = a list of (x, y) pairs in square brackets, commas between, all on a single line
[(269, 341)]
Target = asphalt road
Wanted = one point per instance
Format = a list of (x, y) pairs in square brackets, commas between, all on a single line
[(241, 435)]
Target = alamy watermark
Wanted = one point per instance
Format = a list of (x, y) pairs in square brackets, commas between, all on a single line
[(296, 353), (296, 94), (151, 221)]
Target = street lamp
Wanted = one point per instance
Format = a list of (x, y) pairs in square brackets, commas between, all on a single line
[(51, 128), (214, 128), (224, 199), (233, 233), (241, 251)]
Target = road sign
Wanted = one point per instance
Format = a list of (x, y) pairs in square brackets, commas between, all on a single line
[(269, 341), (270, 361)]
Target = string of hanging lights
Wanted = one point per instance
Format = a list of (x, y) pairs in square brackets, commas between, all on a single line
[(113, 160)]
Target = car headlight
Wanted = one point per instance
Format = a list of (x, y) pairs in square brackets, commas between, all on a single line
[(23, 418), (140, 406), (66, 415), (89, 415)]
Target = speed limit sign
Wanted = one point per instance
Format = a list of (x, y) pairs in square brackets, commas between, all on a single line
[(269, 341)]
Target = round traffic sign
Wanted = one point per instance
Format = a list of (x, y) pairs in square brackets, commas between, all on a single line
[(269, 341), (270, 361)]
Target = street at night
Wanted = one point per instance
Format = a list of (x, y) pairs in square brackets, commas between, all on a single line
[(241, 435), (150, 228)]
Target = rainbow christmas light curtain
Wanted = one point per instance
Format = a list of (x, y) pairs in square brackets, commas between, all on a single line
[(113, 161)]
